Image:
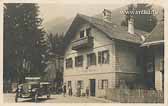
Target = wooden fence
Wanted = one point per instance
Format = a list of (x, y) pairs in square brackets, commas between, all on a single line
[(134, 95)]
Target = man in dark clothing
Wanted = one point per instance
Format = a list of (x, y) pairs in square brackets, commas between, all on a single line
[(70, 91), (87, 92), (64, 90)]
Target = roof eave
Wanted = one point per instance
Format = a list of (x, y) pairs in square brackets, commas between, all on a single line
[(152, 43)]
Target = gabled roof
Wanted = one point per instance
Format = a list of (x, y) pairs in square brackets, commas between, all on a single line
[(156, 36), (111, 30)]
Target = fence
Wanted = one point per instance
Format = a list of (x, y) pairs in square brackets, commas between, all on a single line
[(134, 95)]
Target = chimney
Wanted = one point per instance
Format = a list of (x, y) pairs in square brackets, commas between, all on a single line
[(107, 15), (131, 25)]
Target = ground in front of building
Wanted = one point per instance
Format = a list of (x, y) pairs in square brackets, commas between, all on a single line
[(10, 98)]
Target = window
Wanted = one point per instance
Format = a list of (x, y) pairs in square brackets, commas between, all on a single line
[(79, 61), (161, 65), (80, 84), (88, 32), (69, 84), (99, 57), (91, 59), (103, 57), (150, 67), (117, 60), (82, 34), (123, 83), (103, 84), (69, 63)]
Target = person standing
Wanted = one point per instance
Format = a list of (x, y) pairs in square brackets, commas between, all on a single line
[(87, 92), (64, 90), (70, 91), (78, 91)]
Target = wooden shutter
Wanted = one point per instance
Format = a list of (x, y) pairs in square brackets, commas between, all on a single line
[(99, 57), (100, 84)]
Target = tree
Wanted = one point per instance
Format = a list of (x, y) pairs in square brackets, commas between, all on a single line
[(145, 22), (24, 41), (54, 70), (55, 43)]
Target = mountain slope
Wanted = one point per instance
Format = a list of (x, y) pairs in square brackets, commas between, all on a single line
[(61, 24), (58, 25)]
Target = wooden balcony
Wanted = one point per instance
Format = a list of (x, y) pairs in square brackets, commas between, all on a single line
[(82, 43)]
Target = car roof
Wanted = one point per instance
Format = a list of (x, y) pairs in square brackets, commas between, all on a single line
[(44, 83), (32, 78)]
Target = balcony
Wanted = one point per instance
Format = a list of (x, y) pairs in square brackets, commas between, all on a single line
[(82, 43)]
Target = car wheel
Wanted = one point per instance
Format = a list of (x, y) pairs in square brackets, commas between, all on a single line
[(36, 97), (16, 98), (48, 96)]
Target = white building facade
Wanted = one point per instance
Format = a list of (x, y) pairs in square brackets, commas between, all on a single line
[(94, 60)]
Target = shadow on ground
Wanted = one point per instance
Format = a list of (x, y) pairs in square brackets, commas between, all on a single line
[(39, 100)]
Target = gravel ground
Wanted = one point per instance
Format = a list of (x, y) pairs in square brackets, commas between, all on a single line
[(10, 98)]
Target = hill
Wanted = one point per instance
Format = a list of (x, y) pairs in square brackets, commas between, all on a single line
[(61, 24), (57, 25)]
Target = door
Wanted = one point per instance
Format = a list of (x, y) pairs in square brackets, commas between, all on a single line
[(92, 87), (150, 72)]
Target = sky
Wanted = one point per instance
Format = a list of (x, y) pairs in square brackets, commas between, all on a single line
[(52, 11)]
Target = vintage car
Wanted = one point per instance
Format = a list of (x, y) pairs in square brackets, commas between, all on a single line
[(33, 88)]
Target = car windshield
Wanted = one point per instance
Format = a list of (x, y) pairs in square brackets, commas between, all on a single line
[(30, 85), (34, 85)]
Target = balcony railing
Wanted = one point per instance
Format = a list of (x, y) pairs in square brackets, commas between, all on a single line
[(82, 43)]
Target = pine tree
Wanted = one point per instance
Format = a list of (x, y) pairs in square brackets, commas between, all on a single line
[(54, 70), (55, 43), (24, 40)]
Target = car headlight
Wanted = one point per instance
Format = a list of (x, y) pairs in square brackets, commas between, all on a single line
[(33, 90), (19, 90), (29, 90)]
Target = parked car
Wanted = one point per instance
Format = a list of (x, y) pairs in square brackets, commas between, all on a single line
[(33, 88)]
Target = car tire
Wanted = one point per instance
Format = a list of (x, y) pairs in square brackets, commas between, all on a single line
[(48, 96), (36, 97), (16, 98)]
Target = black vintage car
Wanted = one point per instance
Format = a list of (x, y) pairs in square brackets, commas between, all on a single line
[(33, 88)]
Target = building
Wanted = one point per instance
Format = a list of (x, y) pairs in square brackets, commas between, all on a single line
[(100, 54), (154, 55)]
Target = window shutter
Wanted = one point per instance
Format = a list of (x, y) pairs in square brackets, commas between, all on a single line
[(88, 60), (99, 84), (82, 84), (69, 63), (94, 59), (99, 57), (106, 83), (75, 84), (106, 57)]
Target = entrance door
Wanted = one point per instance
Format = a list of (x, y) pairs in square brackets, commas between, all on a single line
[(150, 72), (92, 87)]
